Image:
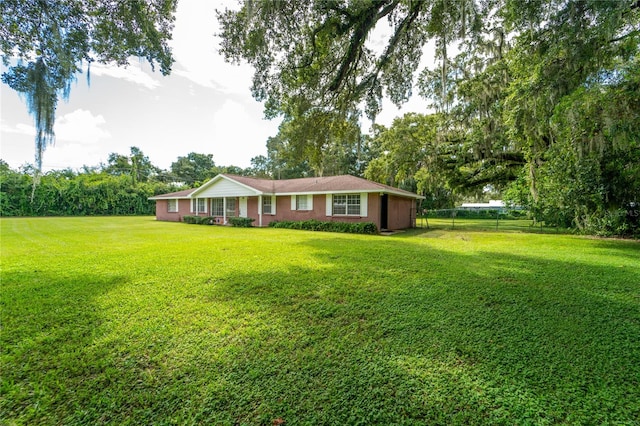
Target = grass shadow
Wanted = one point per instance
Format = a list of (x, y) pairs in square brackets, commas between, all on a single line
[(48, 345), (465, 339)]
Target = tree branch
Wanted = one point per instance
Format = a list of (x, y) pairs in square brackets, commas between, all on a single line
[(386, 56), (366, 21)]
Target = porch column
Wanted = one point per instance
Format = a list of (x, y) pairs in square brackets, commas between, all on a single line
[(260, 210), (224, 210)]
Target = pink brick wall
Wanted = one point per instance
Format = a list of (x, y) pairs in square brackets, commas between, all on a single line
[(162, 212), (400, 211)]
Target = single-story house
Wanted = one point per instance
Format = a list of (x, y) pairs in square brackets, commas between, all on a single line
[(332, 198)]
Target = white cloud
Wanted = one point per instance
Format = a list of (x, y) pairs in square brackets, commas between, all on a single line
[(200, 62), (236, 133), (132, 73), (19, 128), (81, 126)]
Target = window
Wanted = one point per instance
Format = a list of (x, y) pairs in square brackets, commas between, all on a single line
[(172, 206), (353, 204), (267, 205), (217, 206), (231, 207), (302, 202), (346, 204), (199, 205)]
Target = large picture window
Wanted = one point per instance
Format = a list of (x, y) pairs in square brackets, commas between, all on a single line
[(346, 204), (217, 207)]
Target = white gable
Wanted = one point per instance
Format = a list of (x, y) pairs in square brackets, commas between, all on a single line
[(223, 187)]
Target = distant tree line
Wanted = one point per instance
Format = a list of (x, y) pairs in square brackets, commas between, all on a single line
[(120, 187)]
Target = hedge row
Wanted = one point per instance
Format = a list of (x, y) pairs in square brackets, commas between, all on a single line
[(199, 220), (240, 222), (316, 225)]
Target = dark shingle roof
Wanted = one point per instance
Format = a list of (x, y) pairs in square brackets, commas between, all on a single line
[(179, 194)]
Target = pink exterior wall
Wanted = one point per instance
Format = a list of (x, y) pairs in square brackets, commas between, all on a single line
[(401, 211), (162, 212), (284, 212)]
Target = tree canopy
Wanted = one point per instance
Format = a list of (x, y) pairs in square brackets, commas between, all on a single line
[(45, 42), (538, 99), (319, 54)]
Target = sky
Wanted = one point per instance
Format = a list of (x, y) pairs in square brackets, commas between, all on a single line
[(204, 106)]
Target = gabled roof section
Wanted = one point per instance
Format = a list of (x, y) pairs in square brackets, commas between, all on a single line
[(173, 195)]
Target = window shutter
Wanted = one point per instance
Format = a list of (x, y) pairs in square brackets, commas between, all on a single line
[(293, 202), (273, 204), (364, 197), (310, 201), (329, 206)]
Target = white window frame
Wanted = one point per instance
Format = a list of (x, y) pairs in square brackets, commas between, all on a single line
[(172, 206), (266, 205), (302, 202), (348, 205)]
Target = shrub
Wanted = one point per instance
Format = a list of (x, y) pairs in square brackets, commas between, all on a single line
[(206, 220), (199, 220), (316, 225), (241, 222)]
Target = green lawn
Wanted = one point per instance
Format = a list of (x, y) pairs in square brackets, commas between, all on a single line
[(486, 224), (133, 321)]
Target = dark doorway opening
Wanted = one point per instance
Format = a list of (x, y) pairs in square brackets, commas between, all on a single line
[(384, 211)]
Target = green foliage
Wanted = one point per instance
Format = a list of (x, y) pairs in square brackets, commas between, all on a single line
[(314, 143), (132, 321), (136, 165), (189, 219), (44, 44), (540, 97), (194, 168), (66, 193), (199, 220), (316, 225), (314, 54), (241, 222)]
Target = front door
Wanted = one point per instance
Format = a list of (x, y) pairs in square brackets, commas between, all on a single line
[(243, 207)]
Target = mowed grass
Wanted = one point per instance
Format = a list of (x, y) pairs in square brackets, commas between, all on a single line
[(134, 321), (475, 224)]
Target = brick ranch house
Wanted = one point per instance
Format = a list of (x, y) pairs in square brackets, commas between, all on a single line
[(333, 198)]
